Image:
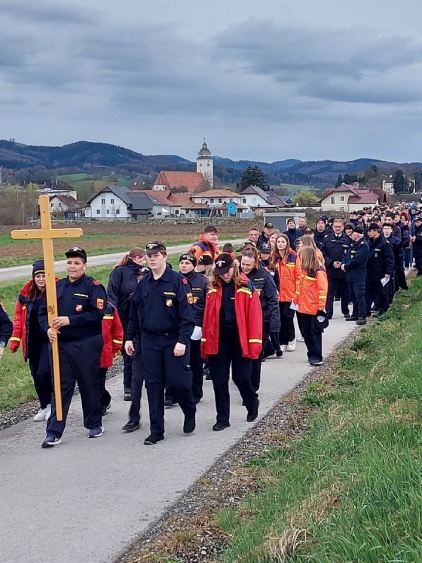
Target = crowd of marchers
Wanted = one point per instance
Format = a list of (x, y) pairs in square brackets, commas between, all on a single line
[(223, 312)]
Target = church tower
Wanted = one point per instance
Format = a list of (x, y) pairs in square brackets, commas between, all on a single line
[(205, 164)]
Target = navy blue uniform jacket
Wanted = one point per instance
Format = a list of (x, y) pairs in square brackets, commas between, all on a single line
[(334, 250), (380, 259), (162, 306), (265, 286), (121, 285), (6, 326), (84, 302), (199, 289), (356, 259)]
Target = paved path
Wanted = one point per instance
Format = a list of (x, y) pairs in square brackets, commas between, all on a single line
[(87, 500), (19, 272)]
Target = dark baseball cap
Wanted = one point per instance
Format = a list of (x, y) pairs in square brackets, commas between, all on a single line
[(265, 248), (269, 225), (76, 251), (417, 218), (188, 256), (223, 264), (373, 227), (205, 260), (359, 230), (155, 247)]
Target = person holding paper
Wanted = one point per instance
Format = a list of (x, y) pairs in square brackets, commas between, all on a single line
[(380, 269)]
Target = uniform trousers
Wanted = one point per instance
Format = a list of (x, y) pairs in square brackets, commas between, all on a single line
[(79, 362), (105, 397), (287, 330), (256, 364), (137, 382), (337, 286), (127, 369), (376, 292), (197, 368), (230, 354), (418, 264), (312, 336), (40, 367), (357, 296), (162, 369)]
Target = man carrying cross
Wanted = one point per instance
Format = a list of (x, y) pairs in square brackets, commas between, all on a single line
[(81, 301)]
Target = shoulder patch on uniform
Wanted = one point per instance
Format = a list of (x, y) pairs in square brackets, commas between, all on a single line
[(100, 304), (96, 282)]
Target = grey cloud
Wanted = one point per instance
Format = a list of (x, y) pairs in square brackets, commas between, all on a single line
[(26, 11), (307, 58)]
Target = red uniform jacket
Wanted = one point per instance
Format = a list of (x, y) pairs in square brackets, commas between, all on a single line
[(288, 270), (311, 292), (248, 315), (21, 321), (112, 334)]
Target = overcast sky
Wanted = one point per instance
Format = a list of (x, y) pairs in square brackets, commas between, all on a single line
[(262, 80)]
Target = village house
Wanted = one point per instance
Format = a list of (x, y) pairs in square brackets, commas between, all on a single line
[(118, 203), (347, 198), (66, 205), (256, 198)]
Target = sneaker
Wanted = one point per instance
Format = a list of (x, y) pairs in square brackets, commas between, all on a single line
[(300, 339), (279, 353), (218, 426), (127, 395), (315, 362), (131, 426), (283, 347), (51, 440), (189, 424), (351, 318), (361, 322), (47, 412), (153, 439), (96, 432), (253, 414), (291, 346), (40, 416)]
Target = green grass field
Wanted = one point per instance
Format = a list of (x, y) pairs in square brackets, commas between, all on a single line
[(105, 246), (349, 490), (16, 386), (76, 179)]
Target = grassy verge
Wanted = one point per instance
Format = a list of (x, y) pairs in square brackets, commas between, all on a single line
[(105, 245), (350, 489), (16, 384)]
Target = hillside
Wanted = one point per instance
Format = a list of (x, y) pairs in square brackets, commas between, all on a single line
[(23, 163)]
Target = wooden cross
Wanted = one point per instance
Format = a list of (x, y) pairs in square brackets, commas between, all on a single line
[(47, 234)]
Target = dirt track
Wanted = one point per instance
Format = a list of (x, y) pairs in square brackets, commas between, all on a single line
[(121, 235)]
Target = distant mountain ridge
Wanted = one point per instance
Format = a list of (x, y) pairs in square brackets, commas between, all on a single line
[(89, 156)]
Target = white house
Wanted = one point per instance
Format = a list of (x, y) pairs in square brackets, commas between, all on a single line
[(62, 203), (217, 200), (255, 198), (117, 203), (347, 198)]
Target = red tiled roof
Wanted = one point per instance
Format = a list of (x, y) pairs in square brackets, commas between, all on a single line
[(364, 198), (180, 198), (217, 193), (193, 181)]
